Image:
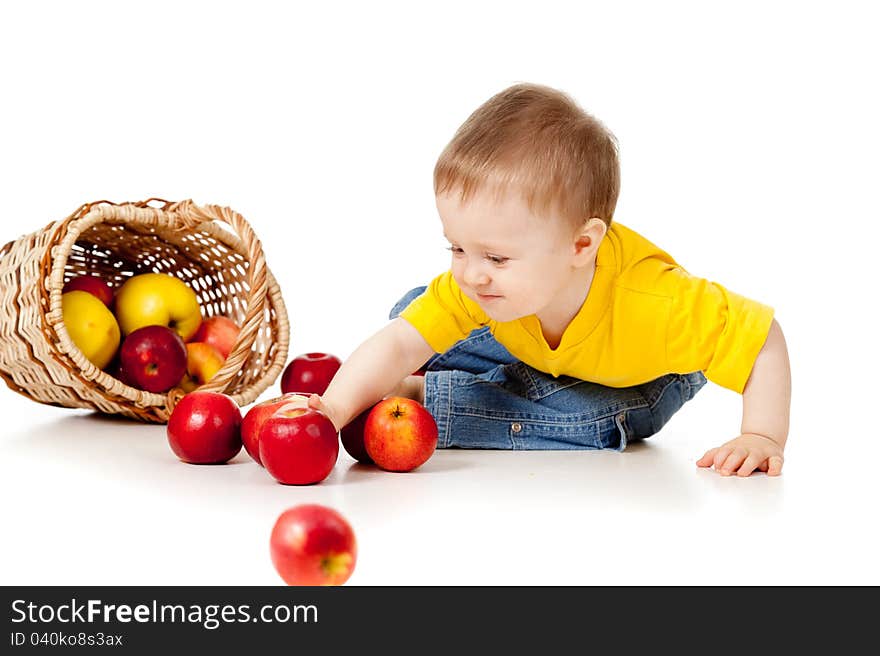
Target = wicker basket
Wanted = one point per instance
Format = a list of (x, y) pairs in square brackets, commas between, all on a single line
[(211, 248)]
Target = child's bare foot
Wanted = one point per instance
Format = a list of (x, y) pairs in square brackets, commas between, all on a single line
[(411, 387)]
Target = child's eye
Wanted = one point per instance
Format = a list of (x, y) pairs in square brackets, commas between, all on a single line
[(455, 250), (497, 259)]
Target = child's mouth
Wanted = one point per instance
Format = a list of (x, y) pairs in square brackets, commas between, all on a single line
[(486, 298)]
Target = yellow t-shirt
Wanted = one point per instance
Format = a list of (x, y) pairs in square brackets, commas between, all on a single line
[(644, 317)]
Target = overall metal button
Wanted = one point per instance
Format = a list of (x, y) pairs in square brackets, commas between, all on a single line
[(516, 428)]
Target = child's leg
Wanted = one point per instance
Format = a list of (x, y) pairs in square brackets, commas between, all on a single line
[(517, 407)]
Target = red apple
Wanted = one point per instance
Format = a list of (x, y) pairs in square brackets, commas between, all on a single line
[(202, 362), (116, 370), (298, 446), (309, 373), (154, 358), (352, 436), (205, 428), (400, 434), (312, 544), (219, 332), (255, 418), (91, 284)]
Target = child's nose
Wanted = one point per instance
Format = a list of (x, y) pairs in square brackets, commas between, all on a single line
[(475, 275)]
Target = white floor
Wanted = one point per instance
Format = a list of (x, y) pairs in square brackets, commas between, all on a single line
[(94, 500)]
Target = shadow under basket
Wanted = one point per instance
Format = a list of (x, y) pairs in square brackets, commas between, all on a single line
[(211, 248)]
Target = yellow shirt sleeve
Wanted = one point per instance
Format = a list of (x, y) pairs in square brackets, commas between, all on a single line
[(715, 330), (443, 315)]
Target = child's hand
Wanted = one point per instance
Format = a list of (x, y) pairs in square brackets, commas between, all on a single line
[(317, 403), (744, 455)]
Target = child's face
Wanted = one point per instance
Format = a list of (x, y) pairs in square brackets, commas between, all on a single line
[(507, 260)]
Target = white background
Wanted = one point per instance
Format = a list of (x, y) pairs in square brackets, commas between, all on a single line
[(749, 148)]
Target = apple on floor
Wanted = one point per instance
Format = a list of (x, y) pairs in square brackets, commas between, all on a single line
[(311, 544), (298, 445), (205, 428), (309, 373)]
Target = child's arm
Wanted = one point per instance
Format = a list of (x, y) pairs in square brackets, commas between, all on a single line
[(374, 369), (766, 403)]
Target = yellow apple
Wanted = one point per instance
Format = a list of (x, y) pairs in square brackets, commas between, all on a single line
[(158, 299), (91, 326), (202, 362)]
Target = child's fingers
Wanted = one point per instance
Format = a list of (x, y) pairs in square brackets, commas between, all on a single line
[(721, 456), (317, 403), (733, 461), (751, 463), (706, 460), (774, 466)]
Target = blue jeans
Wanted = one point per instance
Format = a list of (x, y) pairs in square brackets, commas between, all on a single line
[(483, 398)]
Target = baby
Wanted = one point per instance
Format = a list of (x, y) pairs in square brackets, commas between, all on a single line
[(557, 328)]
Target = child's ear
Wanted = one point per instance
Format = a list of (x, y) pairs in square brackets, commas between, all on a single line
[(588, 238)]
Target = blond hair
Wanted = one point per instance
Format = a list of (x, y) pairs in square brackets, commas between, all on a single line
[(538, 141)]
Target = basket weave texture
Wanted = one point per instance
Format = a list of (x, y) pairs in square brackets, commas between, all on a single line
[(211, 248)]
